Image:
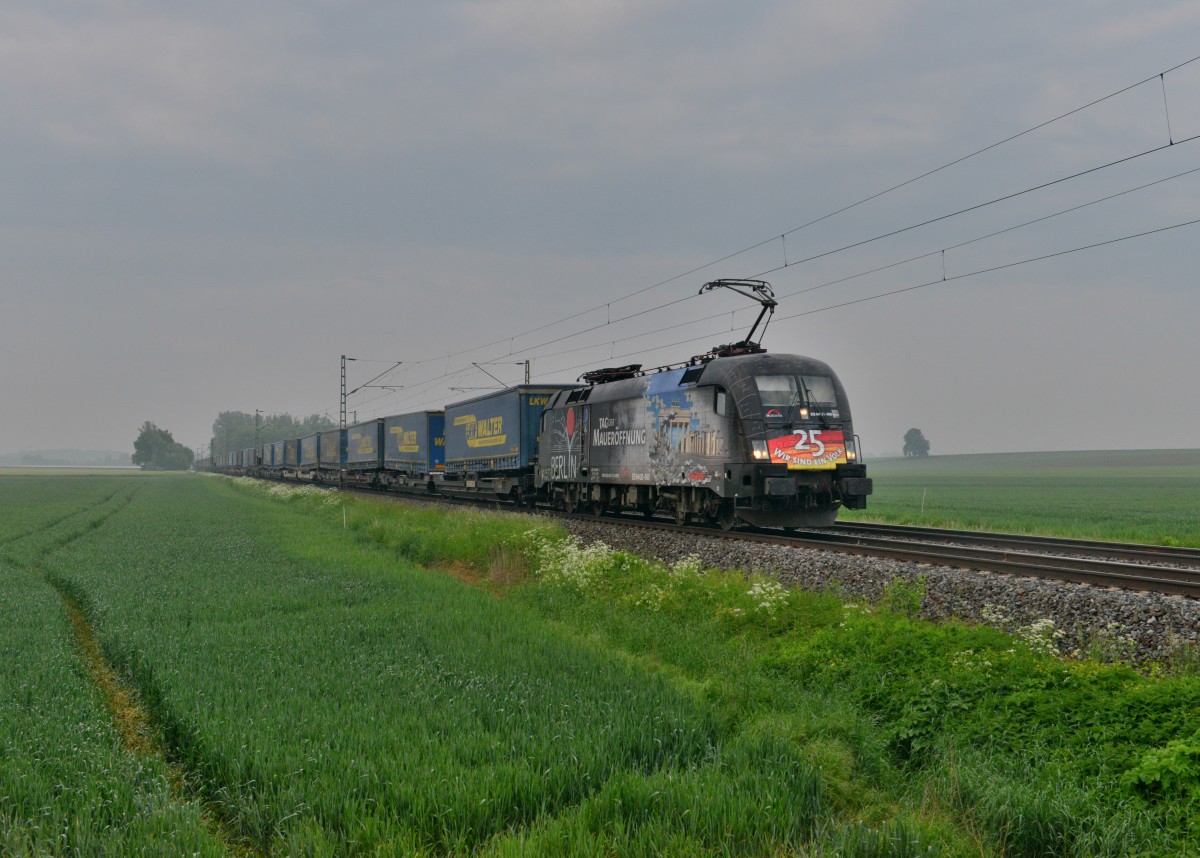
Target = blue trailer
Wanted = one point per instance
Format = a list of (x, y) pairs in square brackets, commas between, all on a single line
[(309, 453), (364, 447), (291, 454), (414, 448), (491, 440), (331, 453)]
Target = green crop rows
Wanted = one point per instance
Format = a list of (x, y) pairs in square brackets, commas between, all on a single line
[(1135, 496), (317, 686), (66, 785)]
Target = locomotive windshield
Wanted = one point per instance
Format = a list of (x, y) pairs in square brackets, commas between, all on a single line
[(777, 392), (820, 395), (783, 395)]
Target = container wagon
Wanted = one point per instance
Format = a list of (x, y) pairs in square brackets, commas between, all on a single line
[(492, 441)]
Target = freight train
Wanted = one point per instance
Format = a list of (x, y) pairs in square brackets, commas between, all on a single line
[(734, 436)]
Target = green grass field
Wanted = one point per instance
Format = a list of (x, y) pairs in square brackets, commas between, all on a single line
[(67, 785), (320, 674), (1148, 496)]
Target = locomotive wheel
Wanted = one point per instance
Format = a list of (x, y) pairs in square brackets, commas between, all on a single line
[(726, 517), (681, 514), (598, 508)]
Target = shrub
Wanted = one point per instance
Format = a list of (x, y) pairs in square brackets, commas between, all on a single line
[(904, 597), (1173, 770)]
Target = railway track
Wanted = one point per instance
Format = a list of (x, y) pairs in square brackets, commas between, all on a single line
[(1132, 567), (1104, 564), (1126, 551)]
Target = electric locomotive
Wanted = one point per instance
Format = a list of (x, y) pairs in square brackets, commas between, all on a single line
[(735, 435), (732, 436)]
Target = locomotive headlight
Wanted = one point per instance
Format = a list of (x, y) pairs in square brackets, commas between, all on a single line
[(851, 453), (759, 450), (803, 413)]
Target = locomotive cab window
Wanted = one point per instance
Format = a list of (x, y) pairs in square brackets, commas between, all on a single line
[(820, 395), (721, 402), (788, 397), (778, 394)]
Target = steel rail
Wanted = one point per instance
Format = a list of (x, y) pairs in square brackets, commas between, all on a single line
[(1079, 570), (1080, 547)]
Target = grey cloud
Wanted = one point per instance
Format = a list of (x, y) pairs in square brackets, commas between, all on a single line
[(206, 204)]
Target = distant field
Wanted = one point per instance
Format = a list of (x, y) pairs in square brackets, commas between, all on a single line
[(1148, 496), (73, 470)]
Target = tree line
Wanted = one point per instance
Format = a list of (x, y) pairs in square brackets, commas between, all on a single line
[(237, 430), (157, 450)]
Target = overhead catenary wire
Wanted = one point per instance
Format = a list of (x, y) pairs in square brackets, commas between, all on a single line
[(990, 202), (980, 151), (994, 268), (854, 245), (423, 387), (939, 251), (926, 284), (1166, 110), (979, 238), (607, 305), (689, 297), (907, 289)]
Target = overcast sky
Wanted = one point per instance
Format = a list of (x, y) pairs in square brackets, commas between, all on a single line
[(205, 204)]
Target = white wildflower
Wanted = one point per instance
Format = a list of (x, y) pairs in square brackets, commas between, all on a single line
[(767, 595), (995, 616), (686, 567), (652, 598), (1041, 636), (567, 561)]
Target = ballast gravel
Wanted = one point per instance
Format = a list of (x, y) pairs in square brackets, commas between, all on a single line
[(1154, 625)]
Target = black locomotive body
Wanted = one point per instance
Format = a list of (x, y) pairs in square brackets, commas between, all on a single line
[(757, 438)]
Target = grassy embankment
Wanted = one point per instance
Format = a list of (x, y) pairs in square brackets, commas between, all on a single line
[(326, 694), (1150, 496)]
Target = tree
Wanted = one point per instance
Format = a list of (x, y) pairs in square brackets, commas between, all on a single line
[(915, 444), (235, 430), (156, 450)]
